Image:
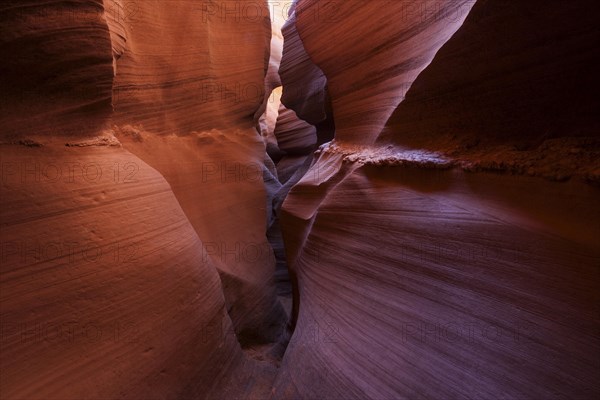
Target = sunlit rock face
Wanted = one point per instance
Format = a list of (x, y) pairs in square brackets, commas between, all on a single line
[(434, 257), (134, 214), (185, 66), (107, 291), (189, 81)]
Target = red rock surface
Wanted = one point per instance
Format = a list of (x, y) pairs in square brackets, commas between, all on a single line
[(186, 66), (304, 82), (173, 322), (368, 66), (444, 245), (185, 102), (107, 291), (447, 285), (56, 76), (532, 110), (418, 273), (294, 136)]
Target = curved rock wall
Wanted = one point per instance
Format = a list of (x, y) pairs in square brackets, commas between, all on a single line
[(186, 66), (107, 292), (294, 135), (134, 276), (56, 73), (418, 272), (531, 110), (189, 81), (444, 245), (304, 84), (368, 64), (434, 283)]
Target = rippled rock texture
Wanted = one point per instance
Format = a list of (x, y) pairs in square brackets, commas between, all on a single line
[(433, 251), (107, 291), (189, 80), (56, 77), (135, 262), (157, 155)]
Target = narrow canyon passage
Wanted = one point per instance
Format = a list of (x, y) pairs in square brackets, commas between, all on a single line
[(308, 199)]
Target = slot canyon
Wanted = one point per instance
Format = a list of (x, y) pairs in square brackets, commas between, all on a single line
[(308, 199)]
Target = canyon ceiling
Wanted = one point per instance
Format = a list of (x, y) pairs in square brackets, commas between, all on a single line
[(318, 199)]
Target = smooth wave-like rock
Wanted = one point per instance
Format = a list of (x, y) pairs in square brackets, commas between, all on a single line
[(183, 66), (175, 225), (189, 316), (304, 84), (530, 111), (106, 289), (188, 89), (56, 74), (217, 178), (423, 271), (369, 65), (294, 136), (267, 123), (272, 81), (447, 284)]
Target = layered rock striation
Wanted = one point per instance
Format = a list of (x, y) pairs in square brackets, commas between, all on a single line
[(433, 252), (442, 245), (134, 255)]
